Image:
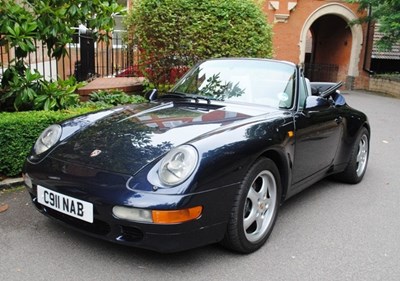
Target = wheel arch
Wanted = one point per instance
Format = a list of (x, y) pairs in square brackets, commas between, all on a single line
[(365, 124), (368, 127), (282, 164)]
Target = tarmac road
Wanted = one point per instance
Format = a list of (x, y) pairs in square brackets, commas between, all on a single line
[(331, 231)]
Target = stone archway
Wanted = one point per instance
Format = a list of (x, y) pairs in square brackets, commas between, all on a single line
[(345, 14)]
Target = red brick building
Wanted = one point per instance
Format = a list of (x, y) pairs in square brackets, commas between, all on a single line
[(317, 33)]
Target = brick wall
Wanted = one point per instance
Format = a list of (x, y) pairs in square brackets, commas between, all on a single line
[(386, 86), (334, 40)]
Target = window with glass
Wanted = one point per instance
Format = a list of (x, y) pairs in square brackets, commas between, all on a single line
[(264, 82)]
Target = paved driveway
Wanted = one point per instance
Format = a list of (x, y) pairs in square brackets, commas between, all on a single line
[(331, 231)]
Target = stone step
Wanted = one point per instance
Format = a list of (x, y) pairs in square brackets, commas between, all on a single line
[(126, 84)]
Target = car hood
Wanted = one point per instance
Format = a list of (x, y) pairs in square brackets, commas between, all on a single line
[(126, 139)]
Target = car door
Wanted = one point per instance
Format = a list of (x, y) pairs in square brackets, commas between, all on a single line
[(318, 131)]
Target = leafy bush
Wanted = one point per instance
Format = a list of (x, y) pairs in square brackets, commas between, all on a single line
[(26, 22), (103, 98), (175, 34), (20, 86), (58, 95), (161, 88), (19, 131), (30, 91)]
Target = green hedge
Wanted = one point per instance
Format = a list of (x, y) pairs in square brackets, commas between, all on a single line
[(172, 34), (19, 131)]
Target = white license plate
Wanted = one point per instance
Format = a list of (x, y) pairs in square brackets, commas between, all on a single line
[(65, 204)]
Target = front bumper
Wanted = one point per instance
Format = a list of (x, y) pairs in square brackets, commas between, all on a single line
[(209, 228)]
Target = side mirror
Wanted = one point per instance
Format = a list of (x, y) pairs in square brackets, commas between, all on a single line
[(314, 103), (151, 95), (339, 99)]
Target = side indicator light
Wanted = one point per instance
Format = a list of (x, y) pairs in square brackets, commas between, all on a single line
[(176, 216), (290, 134)]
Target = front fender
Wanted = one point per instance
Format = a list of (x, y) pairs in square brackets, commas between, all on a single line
[(226, 156)]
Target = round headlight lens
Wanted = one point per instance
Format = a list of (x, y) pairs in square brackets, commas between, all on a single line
[(47, 139), (178, 165)]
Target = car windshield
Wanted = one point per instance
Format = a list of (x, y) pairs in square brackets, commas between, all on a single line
[(262, 82)]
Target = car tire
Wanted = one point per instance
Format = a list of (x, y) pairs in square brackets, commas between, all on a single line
[(255, 208), (357, 165)]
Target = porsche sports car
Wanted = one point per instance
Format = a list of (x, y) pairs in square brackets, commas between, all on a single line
[(210, 161)]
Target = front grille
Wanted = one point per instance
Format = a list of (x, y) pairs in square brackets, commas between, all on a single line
[(97, 227)]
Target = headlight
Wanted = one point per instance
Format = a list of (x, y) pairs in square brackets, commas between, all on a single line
[(47, 139), (178, 165)]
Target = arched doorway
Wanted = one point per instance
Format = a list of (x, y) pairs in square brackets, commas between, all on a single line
[(329, 47)]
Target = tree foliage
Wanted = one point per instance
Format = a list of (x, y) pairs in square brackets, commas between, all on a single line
[(387, 14), (174, 34), (51, 21), (26, 23)]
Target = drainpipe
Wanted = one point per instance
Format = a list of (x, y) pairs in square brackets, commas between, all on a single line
[(369, 71)]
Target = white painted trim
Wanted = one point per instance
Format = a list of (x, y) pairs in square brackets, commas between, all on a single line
[(357, 35)]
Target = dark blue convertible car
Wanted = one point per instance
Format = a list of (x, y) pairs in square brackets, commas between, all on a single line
[(210, 161)]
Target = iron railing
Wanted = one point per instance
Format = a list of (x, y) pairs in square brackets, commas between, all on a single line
[(321, 72), (86, 58)]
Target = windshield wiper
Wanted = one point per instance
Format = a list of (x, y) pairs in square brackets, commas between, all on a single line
[(194, 97), (169, 95)]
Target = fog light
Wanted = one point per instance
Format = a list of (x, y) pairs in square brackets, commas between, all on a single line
[(132, 214)]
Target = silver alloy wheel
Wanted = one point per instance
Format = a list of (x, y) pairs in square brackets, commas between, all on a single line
[(259, 206), (362, 155)]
